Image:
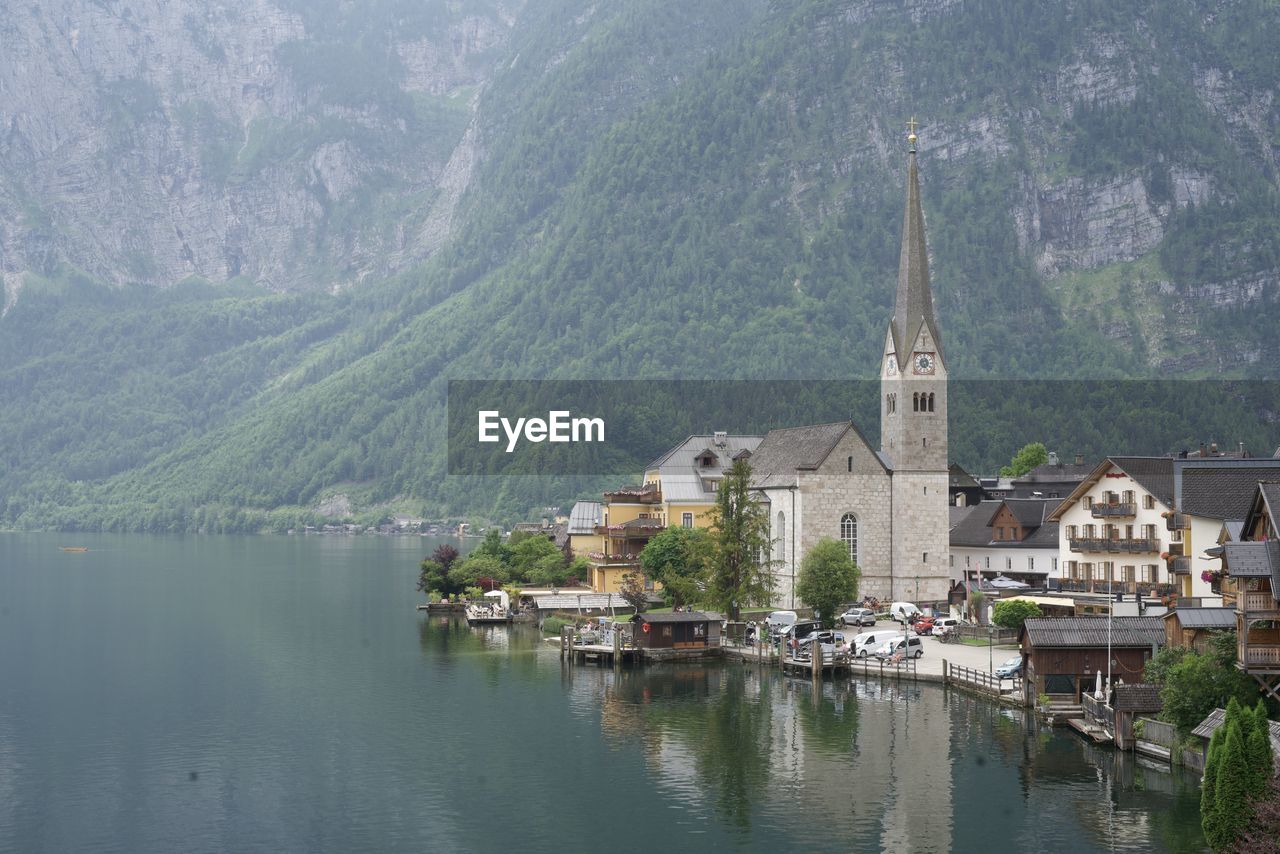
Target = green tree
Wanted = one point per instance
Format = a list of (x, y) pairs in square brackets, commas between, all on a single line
[(828, 579), (537, 556), (1208, 788), (1027, 458), (1200, 683), (434, 578), (677, 557), (1231, 810), (465, 573), (1159, 665), (1011, 614), (741, 572), (632, 591)]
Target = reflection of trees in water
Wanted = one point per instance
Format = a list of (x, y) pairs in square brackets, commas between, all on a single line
[(495, 650), (830, 719)]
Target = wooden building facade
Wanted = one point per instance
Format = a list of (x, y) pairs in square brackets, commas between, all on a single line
[(1063, 656), (686, 630)]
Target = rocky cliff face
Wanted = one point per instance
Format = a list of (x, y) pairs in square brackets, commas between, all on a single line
[(147, 141)]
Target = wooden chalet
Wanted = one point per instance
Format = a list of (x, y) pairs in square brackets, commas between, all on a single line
[(685, 630), (1192, 627), (1253, 580), (1062, 656)]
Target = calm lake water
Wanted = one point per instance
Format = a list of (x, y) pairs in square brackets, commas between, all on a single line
[(282, 694)]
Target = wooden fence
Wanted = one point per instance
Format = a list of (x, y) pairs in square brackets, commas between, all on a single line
[(979, 680)]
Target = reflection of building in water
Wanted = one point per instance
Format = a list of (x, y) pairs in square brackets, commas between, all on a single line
[(907, 752)]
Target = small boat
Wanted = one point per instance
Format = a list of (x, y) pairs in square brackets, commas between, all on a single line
[(74, 548)]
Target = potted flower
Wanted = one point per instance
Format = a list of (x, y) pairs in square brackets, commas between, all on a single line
[(1213, 577)]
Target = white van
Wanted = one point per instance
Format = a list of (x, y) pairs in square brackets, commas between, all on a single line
[(779, 620), (902, 612), (866, 644)]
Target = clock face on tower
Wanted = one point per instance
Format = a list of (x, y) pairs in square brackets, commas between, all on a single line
[(923, 363), (891, 365)]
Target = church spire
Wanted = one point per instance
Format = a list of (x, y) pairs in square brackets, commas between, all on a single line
[(914, 305)]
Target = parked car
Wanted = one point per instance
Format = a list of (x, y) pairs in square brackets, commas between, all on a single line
[(1011, 669), (832, 642), (867, 643), (914, 648), (799, 630), (902, 612), (923, 625), (945, 624), (858, 617), (779, 620)]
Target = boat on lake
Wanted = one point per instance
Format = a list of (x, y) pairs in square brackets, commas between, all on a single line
[(74, 548)]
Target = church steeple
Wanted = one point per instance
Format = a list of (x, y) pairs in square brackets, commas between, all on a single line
[(914, 304)]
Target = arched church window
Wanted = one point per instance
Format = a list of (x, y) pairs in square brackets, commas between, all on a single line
[(915, 401), (782, 536), (849, 533), (930, 401)]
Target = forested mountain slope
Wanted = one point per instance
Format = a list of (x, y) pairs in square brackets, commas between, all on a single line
[(649, 190)]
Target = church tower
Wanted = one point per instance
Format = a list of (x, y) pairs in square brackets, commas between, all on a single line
[(913, 417)]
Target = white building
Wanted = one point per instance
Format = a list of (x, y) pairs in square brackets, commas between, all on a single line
[(1012, 538)]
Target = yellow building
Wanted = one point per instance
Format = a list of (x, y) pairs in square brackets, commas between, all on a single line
[(679, 489)]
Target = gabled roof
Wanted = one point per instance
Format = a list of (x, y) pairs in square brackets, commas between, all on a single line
[(1154, 474), (672, 617), (788, 450), (1254, 560), (1204, 618), (1216, 718), (1138, 697), (584, 517), (1045, 632), (974, 529), (1266, 499), (1056, 473), (961, 479), (683, 479)]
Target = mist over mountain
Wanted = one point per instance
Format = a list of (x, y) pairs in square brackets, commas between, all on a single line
[(245, 245)]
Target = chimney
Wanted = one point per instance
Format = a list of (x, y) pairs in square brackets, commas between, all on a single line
[(1183, 453), (721, 438), (1203, 451), (1079, 459), (1243, 453), (1053, 459), (1213, 448)]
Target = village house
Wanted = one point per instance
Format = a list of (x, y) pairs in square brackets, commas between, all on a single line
[(1010, 537), (1252, 584), (1193, 627)]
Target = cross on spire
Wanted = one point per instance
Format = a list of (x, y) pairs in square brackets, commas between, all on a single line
[(911, 136)]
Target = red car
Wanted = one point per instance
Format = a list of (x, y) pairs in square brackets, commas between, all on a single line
[(923, 625)]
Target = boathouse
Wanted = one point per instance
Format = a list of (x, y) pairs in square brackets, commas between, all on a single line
[(685, 630), (1192, 627), (1063, 656)]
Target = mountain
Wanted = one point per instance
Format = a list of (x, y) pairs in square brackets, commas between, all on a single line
[(244, 248)]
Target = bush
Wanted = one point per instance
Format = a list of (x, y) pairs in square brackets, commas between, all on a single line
[(1011, 614), (553, 625)]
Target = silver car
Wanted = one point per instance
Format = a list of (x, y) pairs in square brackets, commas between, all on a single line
[(858, 617)]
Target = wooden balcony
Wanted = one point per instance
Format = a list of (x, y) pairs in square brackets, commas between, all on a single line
[(1177, 521), (1261, 657), (1117, 545), (1180, 565), (1257, 602), (1118, 510), (1149, 589)]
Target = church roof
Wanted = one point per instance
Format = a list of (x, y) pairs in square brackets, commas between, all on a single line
[(790, 449), (913, 307)]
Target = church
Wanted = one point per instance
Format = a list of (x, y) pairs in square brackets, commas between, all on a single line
[(888, 504)]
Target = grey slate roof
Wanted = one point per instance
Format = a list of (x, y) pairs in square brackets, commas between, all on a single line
[(1060, 473), (790, 449), (1046, 632), (957, 515), (1138, 697), (1252, 559), (584, 517), (974, 529), (1207, 726), (1154, 474), (1031, 512), (672, 617), (1223, 489), (683, 480), (960, 478), (1204, 618)]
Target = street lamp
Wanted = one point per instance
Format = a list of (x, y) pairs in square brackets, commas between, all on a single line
[(991, 640)]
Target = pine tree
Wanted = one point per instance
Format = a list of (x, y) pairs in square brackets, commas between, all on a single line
[(1208, 788), (741, 569), (1260, 755), (1231, 809)]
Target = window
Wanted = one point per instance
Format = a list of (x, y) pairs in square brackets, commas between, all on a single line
[(1128, 573), (1148, 502), (1087, 502), (1128, 496), (1008, 564), (686, 520), (1148, 532), (951, 560), (1071, 532), (999, 532), (713, 485), (1055, 564), (849, 533), (1128, 532), (1175, 535), (782, 534), (1031, 563), (1089, 532), (988, 561), (849, 462), (1151, 573), (931, 401), (966, 560)]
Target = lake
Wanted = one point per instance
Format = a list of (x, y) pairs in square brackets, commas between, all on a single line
[(282, 694)]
